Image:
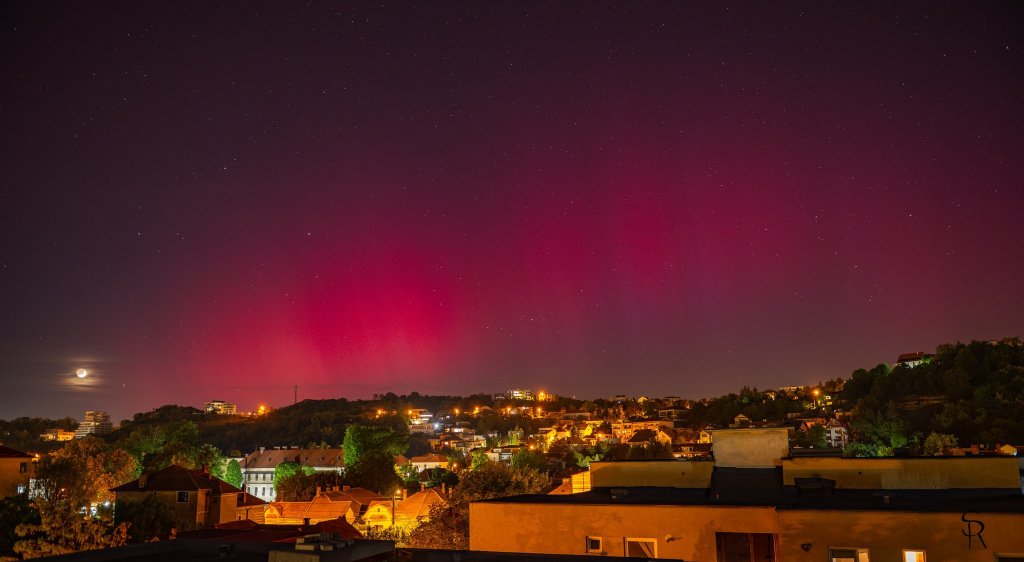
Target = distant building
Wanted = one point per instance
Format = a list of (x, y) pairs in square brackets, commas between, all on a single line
[(15, 471), (57, 434), (838, 435), (520, 394), (95, 423), (258, 467), (911, 360), (220, 407)]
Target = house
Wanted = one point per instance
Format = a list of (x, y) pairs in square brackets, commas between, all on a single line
[(911, 360), (199, 499), (838, 434), (57, 434), (16, 470), (644, 436), (250, 508), (741, 420), (430, 460), (625, 429), (345, 503), (258, 467), (407, 512), (756, 503)]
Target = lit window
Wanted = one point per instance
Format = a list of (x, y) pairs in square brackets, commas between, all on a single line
[(913, 556), (642, 548), (182, 497), (848, 555), (21, 488), (594, 544)]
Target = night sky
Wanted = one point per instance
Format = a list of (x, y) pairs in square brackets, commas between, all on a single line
[(218, 201)]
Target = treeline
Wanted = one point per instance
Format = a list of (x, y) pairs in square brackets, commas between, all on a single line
[(973, 392)]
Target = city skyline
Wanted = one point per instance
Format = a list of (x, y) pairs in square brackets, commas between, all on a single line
[(219, 202)]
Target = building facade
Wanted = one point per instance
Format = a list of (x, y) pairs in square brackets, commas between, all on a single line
[(755, 503), (258, 467), (94, 423), (16, 470)]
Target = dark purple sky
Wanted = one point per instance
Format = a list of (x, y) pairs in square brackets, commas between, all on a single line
[(204, 201)]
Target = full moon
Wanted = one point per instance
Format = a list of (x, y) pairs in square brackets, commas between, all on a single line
[(81, 373)]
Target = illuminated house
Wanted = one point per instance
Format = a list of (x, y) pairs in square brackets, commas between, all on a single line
[(15, 471), (258, 466), (911, 360), (198, 499), (755, 503), (408, 511), (430, 460), (325, 506), (57, 434)]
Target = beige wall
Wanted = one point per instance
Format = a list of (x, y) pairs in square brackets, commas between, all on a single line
[(11, 475), (689, 532), (886, 534), (223, 508), (908, 473), (750, 448), (668, 473), (680, 531)]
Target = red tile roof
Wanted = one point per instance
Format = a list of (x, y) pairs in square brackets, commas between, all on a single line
[(319, 458), (177, 478)]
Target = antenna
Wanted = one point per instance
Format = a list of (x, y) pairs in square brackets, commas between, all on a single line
[(295, 400)]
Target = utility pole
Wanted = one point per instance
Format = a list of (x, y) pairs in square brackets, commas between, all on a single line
[(295, 400)]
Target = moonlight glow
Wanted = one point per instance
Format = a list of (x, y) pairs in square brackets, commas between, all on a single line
[(81, 373)]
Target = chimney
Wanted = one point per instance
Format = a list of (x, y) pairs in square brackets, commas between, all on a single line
[(422, 486), (263, 449), (143, 480), (345, 488), (319, 490), (444, 488), (404, 493)]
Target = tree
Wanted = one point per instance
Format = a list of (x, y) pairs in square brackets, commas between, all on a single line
[(375, 470), (448, 526), (83, 471), (148, 518), (525, 458), (287, 469), (815, 437), (233, 473), (63, 529), (14, 511), (938, 444), (302, 487), (361, 439)]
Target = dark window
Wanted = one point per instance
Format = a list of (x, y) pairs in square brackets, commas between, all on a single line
[(183, 497), (594, 544), (745, 547), (23, 468)]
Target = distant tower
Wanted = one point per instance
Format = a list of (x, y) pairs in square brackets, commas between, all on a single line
[(295, 399)]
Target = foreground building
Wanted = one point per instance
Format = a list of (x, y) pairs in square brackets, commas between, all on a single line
[(755, 503), (15, 471), (199, 500)]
